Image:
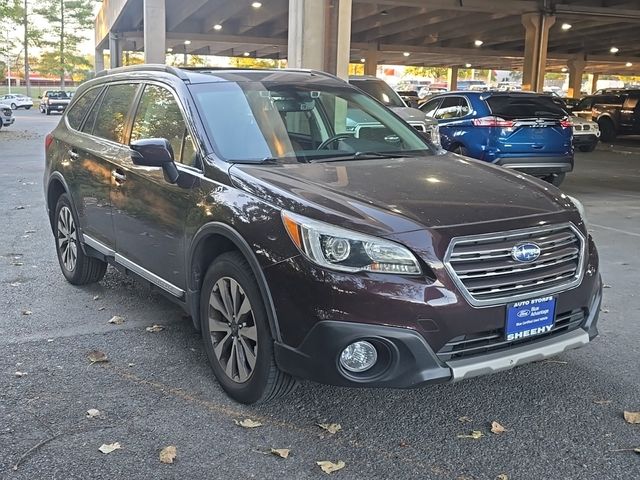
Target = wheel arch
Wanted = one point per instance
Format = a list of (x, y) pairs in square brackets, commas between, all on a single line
[(55, 188), (208, 243)]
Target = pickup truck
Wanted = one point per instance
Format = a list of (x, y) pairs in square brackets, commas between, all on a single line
[(54, 101), (618, 119)]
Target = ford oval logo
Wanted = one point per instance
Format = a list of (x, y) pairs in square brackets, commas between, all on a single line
[(525, 252)]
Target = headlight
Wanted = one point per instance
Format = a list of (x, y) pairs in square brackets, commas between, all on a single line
[(340, 249), (435, 135), (580, 209)]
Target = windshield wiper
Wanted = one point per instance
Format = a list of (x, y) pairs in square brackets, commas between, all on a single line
[(360, 156)]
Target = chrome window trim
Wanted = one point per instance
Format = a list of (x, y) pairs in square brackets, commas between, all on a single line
[(134, 267), (577, 278)]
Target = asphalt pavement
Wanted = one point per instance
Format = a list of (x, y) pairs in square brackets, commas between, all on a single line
[(563, 418)]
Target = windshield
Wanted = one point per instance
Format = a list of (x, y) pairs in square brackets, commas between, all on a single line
[(271, 121), (59, 94), (381, 91)]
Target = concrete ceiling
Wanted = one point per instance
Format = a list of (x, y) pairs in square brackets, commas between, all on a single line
[(433, 32)]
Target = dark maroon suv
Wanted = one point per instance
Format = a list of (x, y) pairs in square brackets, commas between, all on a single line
[(311, 233)]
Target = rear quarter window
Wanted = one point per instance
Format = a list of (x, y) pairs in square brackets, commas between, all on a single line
[(517, 106), (81, 106), (114, 109)]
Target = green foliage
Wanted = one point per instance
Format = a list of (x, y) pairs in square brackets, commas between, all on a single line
[(248, 62), (437, 73), (69, 22)]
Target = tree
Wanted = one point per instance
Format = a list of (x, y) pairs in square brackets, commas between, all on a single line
[(437, 73), (248, 62), (68, 20)]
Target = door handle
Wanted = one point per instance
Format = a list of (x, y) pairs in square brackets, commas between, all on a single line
[(118, 176), (73, 154)]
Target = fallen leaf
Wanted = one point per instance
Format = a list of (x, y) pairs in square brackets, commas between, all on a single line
[(606, 286), (27, 312), (330, 427), (475, 434), (132, 364), (109, 447), (403, 444), (20, 374), (637, 450), (18, 264), (168, 454), (604, 310), (602, 402), (96, 297), (93, 413), (464, 419), (632, 417), (20, 207), (100, 309), (502, 476), (15, 284), (497, 428), (559, 362), (330, 467), (280, 452), (248, 423), (116, 320), (96, 356), (29, 231), (154, 328)]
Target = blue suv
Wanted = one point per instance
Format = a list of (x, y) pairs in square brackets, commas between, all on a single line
[(523, 131)]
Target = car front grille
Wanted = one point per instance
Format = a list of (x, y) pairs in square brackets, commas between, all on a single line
[(484, 269), (7, 112), (494, 340)]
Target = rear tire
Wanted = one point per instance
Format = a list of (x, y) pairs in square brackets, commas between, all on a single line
[(78, 268), (555, 179), (27, 107), (461, 150), (607, 131), (236, 333), (587, 148)]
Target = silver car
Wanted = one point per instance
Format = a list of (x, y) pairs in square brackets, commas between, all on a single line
[(6, 115)]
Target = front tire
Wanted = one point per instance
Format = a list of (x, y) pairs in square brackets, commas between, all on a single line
[(461, 150), (14, 106), (78, 268), (607, 131), (236, 333), (27, 107)]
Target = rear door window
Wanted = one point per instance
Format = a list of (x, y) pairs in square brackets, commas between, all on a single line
[(452, 107), (114, 109), (524, 106), (430, 107), (79, 110)]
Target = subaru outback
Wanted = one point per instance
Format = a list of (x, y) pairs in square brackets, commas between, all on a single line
[(303, 248)]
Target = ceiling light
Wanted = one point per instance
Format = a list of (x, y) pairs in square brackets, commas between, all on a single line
[(566, 26), (564, 69), (246, 54), (169, 49), (217, 26), (478, 43), (614, 49), (468, 65), (364, 60), (187, 42), (628, 64), (256, 4), (406, 54)]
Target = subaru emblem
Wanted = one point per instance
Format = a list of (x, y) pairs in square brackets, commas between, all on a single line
[(525, 252)]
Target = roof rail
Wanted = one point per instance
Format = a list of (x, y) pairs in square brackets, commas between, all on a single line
[(153, 67), (263, 69)]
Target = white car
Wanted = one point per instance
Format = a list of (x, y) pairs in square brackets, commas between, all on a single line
[(586, 134), (6, 115), (17, 101)]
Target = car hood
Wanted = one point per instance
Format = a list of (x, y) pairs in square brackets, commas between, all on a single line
[(385, 196), (409, 114)]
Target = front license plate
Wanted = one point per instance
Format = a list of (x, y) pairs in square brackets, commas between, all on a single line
[(529, 318)]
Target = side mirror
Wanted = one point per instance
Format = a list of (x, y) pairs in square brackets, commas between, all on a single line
[(155, 152)]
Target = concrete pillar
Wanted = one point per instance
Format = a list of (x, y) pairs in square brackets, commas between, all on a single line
[(99, 60), (115, 51), (320, 35), (576, 69), (536, 39), (452, 79), (371, 60), (155, 28), (594, 82)]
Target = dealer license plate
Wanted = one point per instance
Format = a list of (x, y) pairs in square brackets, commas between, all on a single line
[(529, 318)]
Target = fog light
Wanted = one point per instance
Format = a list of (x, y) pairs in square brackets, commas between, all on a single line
[(358, 357)]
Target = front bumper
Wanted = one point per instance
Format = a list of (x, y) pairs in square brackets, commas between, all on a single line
[(581, 140), (8, 121), (405, 358)]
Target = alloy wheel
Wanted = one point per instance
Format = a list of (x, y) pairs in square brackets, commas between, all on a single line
[(67, 239), (233, 330)]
